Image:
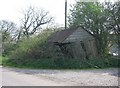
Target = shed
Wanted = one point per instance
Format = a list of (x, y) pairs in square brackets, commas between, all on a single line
[(75, 43)]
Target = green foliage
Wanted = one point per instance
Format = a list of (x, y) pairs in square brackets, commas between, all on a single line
[(3, 60), (63, 63), (8, 47), (0, 60), (114, 19), (97, 19), (31, 48)]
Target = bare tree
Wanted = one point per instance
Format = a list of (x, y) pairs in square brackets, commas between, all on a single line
[(33, 20), (8, 29)]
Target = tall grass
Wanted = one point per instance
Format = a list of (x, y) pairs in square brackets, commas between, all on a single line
[(3, 60), (0, 60), (63, 63)]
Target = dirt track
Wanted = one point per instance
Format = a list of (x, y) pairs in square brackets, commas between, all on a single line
[(99, 77)]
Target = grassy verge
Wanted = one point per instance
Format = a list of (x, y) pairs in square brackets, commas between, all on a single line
[(0, 60), (61, 63), (3, 60)]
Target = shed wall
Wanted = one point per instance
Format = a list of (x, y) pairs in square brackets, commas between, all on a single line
[(88, 40), (78, 35)]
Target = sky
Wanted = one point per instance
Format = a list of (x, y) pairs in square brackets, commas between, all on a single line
[(13, 9)]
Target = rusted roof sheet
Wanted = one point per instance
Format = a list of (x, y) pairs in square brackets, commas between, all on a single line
[(60, 36)]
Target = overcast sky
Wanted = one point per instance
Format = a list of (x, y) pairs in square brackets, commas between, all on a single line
[(12, 9)]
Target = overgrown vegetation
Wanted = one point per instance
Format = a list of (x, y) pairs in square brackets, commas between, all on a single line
[(34, 53), (31, 48), (26, 50), (3, 60), (61, 63), (0, 60)]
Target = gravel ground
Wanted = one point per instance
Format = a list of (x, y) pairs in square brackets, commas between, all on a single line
[(104, 77), (97, 77)]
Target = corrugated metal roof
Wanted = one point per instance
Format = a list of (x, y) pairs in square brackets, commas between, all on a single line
[(60, 36)]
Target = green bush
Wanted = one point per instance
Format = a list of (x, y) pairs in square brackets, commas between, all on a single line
[(7, 48), (31, 48), (3, 60), (62, 63)]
